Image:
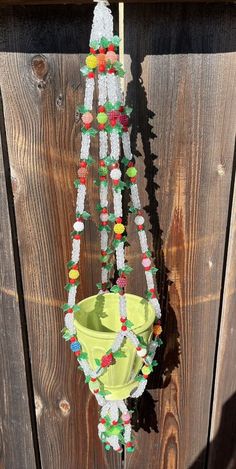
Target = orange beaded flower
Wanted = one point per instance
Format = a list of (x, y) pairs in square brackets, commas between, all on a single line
[(157, 329)]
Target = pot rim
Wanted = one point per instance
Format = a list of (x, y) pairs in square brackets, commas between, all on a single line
[(111, 335)]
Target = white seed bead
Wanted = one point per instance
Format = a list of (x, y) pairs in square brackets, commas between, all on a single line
[(113, 90), (100, 399), (85, 146), (149, 279), (122, 305), (114, 442), (139, 220), (115, 173), (75, 250), (105, 409), (80, 198), (89, 90), (86, 368), (71, 296), (78, 226), (102, 89), (143, 241), (140, 390), (126, 145), (101, 428), (117, 342), (123, 408), (117, 198), (127, 432), (120, 256), (156, 305), (104, 275), (135, 197), (69, 322), (104, 240), (103, 195), (115, 144), (114, 412), (133, 338), (103, 144), (118, 89)]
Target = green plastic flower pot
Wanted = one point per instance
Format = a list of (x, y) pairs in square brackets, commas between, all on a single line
[(97, 324)]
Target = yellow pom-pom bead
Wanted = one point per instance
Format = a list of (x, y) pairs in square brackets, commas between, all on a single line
[(74, 274), (91, 61), (146, 370), (119, 228)]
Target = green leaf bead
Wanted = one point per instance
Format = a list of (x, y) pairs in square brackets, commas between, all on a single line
[(103, 171)]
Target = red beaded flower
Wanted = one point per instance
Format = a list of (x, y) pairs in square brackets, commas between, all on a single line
[(124, 120), (82, 172), (106, 360), (121, 282), (114, 115)]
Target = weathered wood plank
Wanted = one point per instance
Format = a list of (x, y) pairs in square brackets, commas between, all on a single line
[(68, 2), (223, 426), (40, 93), (16, 447), (188, 101)]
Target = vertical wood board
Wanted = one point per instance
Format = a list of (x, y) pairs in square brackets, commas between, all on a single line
[(222, 451), (181, 87), (16, 447)]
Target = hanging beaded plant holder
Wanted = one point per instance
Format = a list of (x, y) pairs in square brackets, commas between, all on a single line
[(111, 333)]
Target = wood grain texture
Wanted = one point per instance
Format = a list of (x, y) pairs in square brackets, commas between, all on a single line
[(40, 94), (183, 132), (16, 441), (182, 91), (223, 427)]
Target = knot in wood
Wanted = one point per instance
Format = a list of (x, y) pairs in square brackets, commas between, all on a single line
[(40, 67), (64, 406)]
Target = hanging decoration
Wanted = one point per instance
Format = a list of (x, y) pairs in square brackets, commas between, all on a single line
[(112, 333)]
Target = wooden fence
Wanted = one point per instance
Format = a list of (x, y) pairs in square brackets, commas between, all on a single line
[(180, 81)]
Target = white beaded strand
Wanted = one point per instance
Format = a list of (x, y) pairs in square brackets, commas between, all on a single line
[(126, 145), (117, 200), (85, 146), (89, 92), (135, 196), (102, 89), (115, 145), (103, 144), (102, 23), (112, 88)]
